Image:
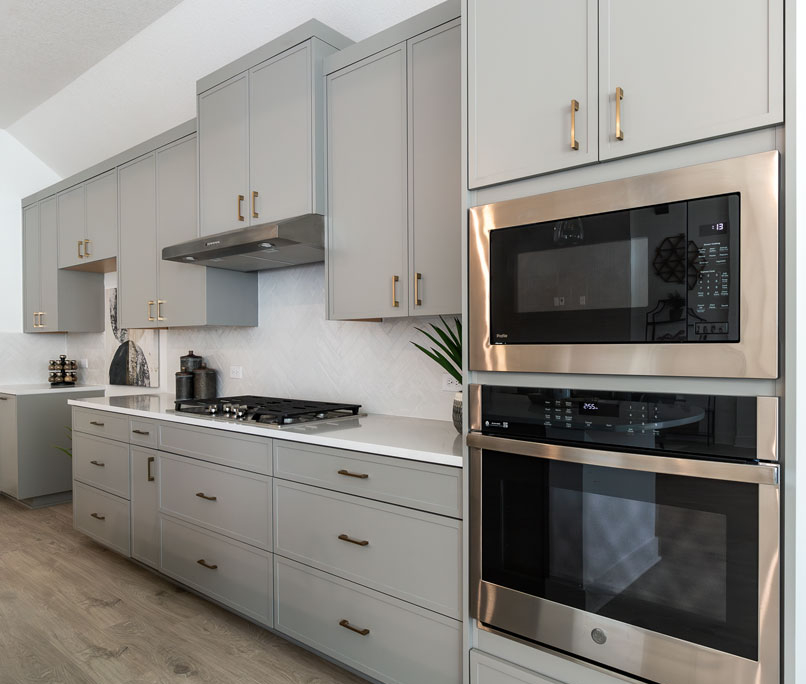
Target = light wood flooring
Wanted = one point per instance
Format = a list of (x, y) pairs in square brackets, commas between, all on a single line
[(72, 612)]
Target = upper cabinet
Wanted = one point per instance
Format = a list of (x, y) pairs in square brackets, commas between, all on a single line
[(394, 172), (87, 224), (261, 146), (653, 75)]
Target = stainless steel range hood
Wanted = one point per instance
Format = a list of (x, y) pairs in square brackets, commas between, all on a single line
[(290, 242)]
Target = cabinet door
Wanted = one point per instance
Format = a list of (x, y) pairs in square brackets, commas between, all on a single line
[(224, 156), (9, 454), (31, 268), (145, 506), (137, 264), (367, 188), (435, 180), (526, 65), (102, 217), (280, 136), (49, 267), (181, 286), (688, 70), (72, 226)]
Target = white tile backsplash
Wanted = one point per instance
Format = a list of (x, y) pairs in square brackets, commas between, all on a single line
[(24, 357)]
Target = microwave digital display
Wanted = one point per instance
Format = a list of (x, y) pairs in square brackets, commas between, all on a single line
[(718, 228)]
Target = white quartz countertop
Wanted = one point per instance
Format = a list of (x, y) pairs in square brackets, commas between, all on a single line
[(45, 388), (418, 439)]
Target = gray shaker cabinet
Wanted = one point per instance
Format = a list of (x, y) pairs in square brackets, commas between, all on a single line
[(31, 268), (145, 539), (72, 225)]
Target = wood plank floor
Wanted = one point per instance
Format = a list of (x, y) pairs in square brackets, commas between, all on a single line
[(72, 612)]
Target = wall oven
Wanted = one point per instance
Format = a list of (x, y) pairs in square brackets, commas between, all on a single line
[(635, 530), (673, 273)]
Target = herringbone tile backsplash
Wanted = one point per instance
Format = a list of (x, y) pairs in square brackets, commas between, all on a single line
[(24, 358)]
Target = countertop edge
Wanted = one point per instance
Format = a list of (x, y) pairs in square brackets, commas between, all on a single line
[(23, 390)]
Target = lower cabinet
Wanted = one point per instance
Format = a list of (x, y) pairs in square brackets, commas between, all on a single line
[(485, 669), (145, 506), (102, 516), (388, 639)]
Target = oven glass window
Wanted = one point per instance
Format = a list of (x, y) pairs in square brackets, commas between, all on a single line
[(663, 273), (671, 554)]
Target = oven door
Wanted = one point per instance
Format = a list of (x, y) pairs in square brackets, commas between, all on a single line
[(663, 568)]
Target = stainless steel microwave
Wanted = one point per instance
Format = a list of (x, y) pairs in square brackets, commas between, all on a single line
[(672, 273)]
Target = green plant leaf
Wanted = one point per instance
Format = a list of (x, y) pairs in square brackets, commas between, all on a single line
[(457, 339), (450, 354), (454, 352), (442, 361), (63, 450)]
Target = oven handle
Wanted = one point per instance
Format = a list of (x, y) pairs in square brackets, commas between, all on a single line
[(762, 473)]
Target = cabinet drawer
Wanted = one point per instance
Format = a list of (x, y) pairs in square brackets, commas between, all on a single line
[(228, 501), (240, 451), (424, 486), (414, 556), (102, 463), (101, 423), (485, 669), (404, 644), (241, 577), (102, 516), (143, 432)]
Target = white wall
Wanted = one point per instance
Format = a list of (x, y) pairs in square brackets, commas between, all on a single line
[(148, 85)]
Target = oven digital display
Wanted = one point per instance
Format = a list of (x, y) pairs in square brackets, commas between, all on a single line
[(720, 228), (597, 408)]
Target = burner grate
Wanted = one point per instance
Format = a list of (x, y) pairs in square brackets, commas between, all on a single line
[(274, 410)]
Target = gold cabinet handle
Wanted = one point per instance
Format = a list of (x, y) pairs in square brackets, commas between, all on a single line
[(357, 542), (395, 280), (96, 423), (38, 319), (204, 496), (240, 215), (574, 110), (98, 517), (360, 476), (254, 197), (140, 432), (417, 278), (207, 565), (148, 468), (87, 248), (160, 302), (346, 624), (80, 245), (41, 318), (619, 98), (100, 464), (150, 312)]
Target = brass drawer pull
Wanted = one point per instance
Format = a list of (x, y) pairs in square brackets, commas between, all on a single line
[(150, 312), (574, 110), (254, 197), (87, 248), (360, 476), (98, 517), (346, 624), (98, 463), (41, 315), (202, 495), (80, 245), (395, 280), (95, 422), (204, 563), (141, 432), (357, 542), (148, 468), (417, 278), (240, 214), (619, 98), (160, 302)]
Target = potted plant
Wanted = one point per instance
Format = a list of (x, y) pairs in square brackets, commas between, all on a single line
[(448, 354)]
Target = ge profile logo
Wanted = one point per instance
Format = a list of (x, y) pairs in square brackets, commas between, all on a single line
[(486, 423)]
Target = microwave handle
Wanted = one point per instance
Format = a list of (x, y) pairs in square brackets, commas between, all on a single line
[(767, 428), (762, 473)]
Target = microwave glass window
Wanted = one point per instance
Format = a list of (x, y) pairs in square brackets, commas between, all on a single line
[(663, 273), (671, 554)]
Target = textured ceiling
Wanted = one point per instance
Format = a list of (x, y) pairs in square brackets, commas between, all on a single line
[(46, 44)]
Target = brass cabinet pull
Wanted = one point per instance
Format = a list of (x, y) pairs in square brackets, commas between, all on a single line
[(80, 245), (204, 563), (360, 476), (574, 110), (240, 215), (100, 464), (98, 517), (150, 313), (87, 248), (346, 624), (141, 432), (619, 98), (417, 278), (95, 422), (160, 302), (202, 495), (395, 280), (38, 319), (148, 468), (357, 542), (254, 197), (41, 318), (35, 314)]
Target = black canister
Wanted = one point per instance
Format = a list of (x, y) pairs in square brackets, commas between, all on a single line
[(204, 383), (184, 385), (190, 362)]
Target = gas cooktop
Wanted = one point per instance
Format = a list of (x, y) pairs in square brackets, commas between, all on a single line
[(268, 411)]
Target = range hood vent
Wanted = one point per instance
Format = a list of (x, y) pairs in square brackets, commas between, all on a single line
[(290, 242)]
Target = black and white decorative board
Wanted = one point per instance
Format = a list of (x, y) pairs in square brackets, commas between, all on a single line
[(132, 354)]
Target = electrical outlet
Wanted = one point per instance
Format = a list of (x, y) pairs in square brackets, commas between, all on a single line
[(83, 363), (236, 372), (449, 384)]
